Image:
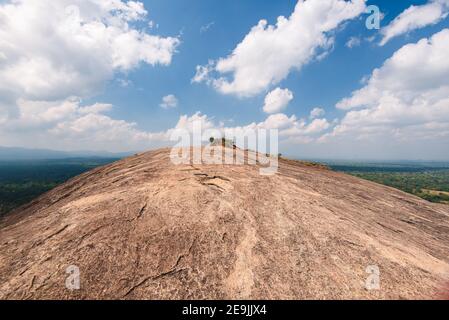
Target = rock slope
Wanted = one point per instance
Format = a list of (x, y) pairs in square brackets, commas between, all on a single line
[(144, 228)]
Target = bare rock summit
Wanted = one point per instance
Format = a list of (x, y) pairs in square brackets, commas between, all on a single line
[(144, 228)]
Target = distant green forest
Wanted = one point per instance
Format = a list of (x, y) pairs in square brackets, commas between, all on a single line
[(23, 181), (428, 180)]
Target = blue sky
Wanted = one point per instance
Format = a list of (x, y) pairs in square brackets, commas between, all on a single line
[(211, 30), (336, 76)]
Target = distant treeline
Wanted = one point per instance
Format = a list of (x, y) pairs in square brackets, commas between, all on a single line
[(427, 182), (23, 181)]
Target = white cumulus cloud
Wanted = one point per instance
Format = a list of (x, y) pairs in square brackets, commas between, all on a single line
[(317, 112), (406, 99), (416, 17), (55, 49), (169, 101), (268, 53), (277, 100), (55, 53)]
